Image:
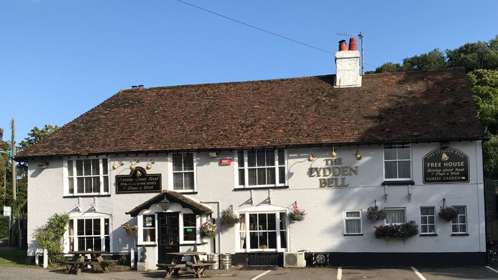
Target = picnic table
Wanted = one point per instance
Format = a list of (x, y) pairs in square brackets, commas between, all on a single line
[(83, 260), (178, 264)]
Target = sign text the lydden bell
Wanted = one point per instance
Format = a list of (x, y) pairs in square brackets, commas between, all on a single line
[(333, 174)]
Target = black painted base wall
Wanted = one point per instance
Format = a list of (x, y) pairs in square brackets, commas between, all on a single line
[(367, 259)]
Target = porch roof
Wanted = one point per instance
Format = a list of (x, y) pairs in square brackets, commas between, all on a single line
[(172, 196)]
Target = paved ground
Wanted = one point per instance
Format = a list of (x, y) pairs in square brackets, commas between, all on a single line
[(407, 273)]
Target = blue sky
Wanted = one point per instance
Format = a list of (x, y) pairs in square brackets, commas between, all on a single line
[(60, 58)]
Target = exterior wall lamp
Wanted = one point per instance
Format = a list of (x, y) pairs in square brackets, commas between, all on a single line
[(333, 155)]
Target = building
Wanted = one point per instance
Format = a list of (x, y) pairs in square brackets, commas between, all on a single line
[(171, 159)]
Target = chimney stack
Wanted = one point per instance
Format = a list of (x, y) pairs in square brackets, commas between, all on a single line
[(347, 61)]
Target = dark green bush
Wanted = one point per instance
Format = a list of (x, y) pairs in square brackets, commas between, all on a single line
[(402, 231)]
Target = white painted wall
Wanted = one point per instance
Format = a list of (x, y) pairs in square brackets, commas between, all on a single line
[(322, 229)]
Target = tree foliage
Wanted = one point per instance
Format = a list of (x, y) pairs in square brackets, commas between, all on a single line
[(50, 235), (480, 61), (36, 135)]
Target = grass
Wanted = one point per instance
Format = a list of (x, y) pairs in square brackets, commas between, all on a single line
[(13, 257)]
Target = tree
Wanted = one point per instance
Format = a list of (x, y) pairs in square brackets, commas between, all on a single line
[(36, 135), (433, 60)]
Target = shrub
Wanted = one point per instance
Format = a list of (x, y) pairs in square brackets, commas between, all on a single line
[(375, 214), (402, 231), (50, 235)]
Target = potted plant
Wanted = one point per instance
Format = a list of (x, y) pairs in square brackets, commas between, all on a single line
[(375, 214), (228, 217), (401, 231), (296, 213), (208, 229), (447, 213), (130, 229)]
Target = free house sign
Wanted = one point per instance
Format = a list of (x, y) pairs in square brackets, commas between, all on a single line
[(138, 182), (445, 166)]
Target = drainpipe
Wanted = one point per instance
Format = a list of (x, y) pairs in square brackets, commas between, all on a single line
[(218, 213)]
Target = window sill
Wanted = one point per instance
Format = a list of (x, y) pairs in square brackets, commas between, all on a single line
[(192, 244), (398, 183), (235, 189), (459, 234), (427, 234), (353, 234), (85, 195)]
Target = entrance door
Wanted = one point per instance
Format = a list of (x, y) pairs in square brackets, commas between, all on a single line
[(168, 236)]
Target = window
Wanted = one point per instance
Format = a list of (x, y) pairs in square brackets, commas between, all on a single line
[(183, 171), (395, 216), (459, 224), (265, 231), (397, 162), (352, 222), (427, 220), (261, 168), (87, 176), (89, 234), (149, 229), (189, 227)]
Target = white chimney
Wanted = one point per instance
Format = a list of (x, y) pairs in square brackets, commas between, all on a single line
[(347, 61)]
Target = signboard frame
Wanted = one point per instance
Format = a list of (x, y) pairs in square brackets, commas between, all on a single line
[(137, 181), (450, 153)]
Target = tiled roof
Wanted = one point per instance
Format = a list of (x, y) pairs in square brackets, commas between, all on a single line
[(171, 196), (388, 108)]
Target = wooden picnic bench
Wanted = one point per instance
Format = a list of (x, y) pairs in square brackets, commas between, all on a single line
[(199, 268), (171, 269), (178, 264), (79, 262)]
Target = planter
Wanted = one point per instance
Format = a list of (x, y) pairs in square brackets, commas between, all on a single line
[(208, 229), (402, 231), (228, 217), (296, 214), (375, 214), (448, 213)]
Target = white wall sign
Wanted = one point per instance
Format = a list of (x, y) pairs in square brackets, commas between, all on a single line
[(7, 211)]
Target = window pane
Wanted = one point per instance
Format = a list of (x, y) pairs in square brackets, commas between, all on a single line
[(149, 220), (79, 167), (353, 214), (431, 220), (283, 221), (272, 222), (188, 183), (281, 175), (281, 157), (251, 158), (262, 222), (424, 228), (88, 227), (404, 153), (253, 240), (188, 161), (104, 166), (106, 184), (432, 228), (71, 185), (270, 158), (272, 240), (253, 222), (96, 227), (404, 169), (241, 177), (97, 244), (149, 235), (189, 220), (106, 227), (252, 177), (189, 234), (270, 176), (454, 228), (81, 185), (81, 244), (283, 239), (71, 227), (178, 181), (260, 158), (261, 176), (427, 210), (81, 227), (70, 168), (86, 167), (395, 216), (389, 153), (263, 240), (240, 158), (177, 162), (88, 185), (89, 244), (353, 226), (107, 241), (424, 219), (390, 169), (96, 184), (463, 228), (95, 167)]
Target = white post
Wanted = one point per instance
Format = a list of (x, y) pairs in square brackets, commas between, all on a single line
[(132, 258), (45, 258), (37, 258)]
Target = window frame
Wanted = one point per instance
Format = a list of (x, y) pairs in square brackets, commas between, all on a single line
[(395, 209), (102, 176), (148, 228), (409, 146), (428, 224), (171, 173), (458, 223), (197, 229), (277, 230), (346, 218), (140, 230), (75, 236), (246, 168)]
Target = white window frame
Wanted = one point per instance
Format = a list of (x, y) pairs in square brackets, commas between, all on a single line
[(246, 170), (75, 183), (395, 209), (428, 224), (75, 235), (143, 227), (248, 231), (384, 160), (458, 223), (197, 229), (360, 218), (171, 173)]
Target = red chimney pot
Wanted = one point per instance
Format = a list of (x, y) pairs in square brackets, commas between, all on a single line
[(352, 44), (342, 45)]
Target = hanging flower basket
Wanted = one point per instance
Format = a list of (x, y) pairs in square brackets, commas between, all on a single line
[(228, 217), (402, 231), (375, 214), (130, 229), (208, 229), (448, 213), (296, 214)]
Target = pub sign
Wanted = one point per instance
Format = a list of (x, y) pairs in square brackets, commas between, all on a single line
[(138, 182), (446, 166)]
